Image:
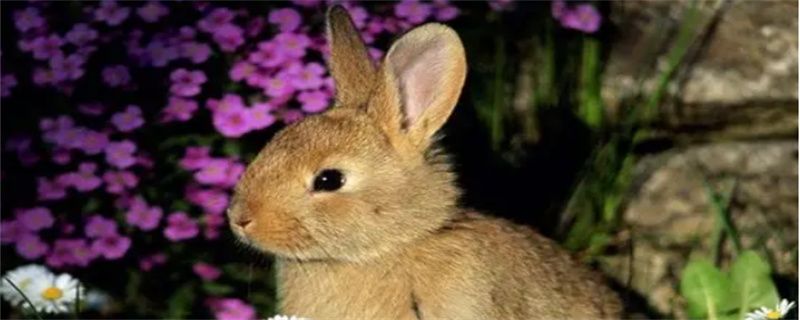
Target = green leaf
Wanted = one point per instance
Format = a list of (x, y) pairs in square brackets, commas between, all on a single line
[(180, 303), (751, 283), (706, 290), (216, 289)]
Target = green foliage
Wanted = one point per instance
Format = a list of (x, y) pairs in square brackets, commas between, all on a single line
[(714, 294)]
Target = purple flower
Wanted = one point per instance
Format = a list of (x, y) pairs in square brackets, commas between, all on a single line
[(232, 123), (143, 216), (195, 51), (11, 230), (152, 11), (229, 37), (180, 227), (206, 271), (128, 120), (313, 101), (116, 75), (186, 83), (8, 82), (558, 8), (242, 70), (231, 309), (50, 190), (160, 54), (307, 3), (216, 19), (97, 226), (70, 252), (81, 34), (117, 182), (35, 219), (413, 11), (291, 115), (293, 44), (46, 47), (280, 85), (28, 19), (111, 247), (93, 142), (31, 247), (195, 158), (111, 13), (310, 77), (268, 55), (91, 109), (213, 222), (85, 179), (287, 19), (583, 17), (501, 5), (179, 109), (445, 11), (219, 172), (261, 116), (120, 154)]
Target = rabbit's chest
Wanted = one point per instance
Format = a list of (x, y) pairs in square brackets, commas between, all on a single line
[(323, 291)]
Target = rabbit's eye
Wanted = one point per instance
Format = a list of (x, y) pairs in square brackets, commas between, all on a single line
[(328, 180)]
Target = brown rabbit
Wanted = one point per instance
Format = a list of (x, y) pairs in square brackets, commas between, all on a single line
[(359, 206)]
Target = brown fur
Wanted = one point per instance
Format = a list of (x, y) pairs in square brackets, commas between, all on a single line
[(392, 243)]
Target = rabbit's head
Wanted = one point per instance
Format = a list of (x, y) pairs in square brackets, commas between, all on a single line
[(362, 178)]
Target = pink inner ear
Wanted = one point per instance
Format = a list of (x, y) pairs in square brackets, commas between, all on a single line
[(421, 75)]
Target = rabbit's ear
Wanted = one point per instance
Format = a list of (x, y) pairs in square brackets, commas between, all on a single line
[(349, 63), (423, 73)]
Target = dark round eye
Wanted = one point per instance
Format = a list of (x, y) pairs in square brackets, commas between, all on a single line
[(329, 180)]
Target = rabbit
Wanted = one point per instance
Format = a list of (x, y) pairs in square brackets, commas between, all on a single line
[(359, 206)]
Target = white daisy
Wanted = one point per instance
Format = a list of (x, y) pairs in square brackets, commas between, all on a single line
[(23, 277), (283, 317), (55, 294), (764, 313)]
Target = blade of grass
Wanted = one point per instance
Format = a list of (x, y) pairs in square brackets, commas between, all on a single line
[(38, 316), (720, 204)]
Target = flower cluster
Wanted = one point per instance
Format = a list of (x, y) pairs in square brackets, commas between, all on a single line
[(33, 286), (108, 186)]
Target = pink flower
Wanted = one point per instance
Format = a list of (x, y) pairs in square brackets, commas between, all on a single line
[(43, 77), (116, 76), (307, 3), (219, 172), (97, 226), (81, 34), (206, 271), (8, 82), (445, 11), (228, 102), (31, 247), (291, 116), (47, 47), (358, 14), (50, 190), (195, 51), (501, 5), (229, 37), (28, 19), (215, 20), (160, 54), (231, 309), (120, 154), (310, 77), (293, 44), (280, 85), (195, 158), (180, 227), (413, 11), (67, 68), (93, 142), (313, 101), (212, 201), (143, 216), (148, 262), (232, 123), (179, 109), (213, 222), (584, 17), (287, 19), (152, 11), (268, 55), (111, 247), (117, 182), (35, 219), (111, 13), (241, 70), (128, 120), (186, 83), (70, 252), (261, 116)]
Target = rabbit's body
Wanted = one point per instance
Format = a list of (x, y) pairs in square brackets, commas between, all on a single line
[(360, 208), (474, 267)]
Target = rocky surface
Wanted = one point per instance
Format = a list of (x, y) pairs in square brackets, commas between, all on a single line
[(733, 120)]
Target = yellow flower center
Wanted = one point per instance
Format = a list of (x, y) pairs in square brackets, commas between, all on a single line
[(52, 293), (773, 314)]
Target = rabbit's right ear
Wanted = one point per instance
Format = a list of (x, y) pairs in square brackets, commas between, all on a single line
[(349, 63)]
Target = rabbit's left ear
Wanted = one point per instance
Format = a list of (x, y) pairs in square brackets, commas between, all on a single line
[(349, 63), (423, 74)]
